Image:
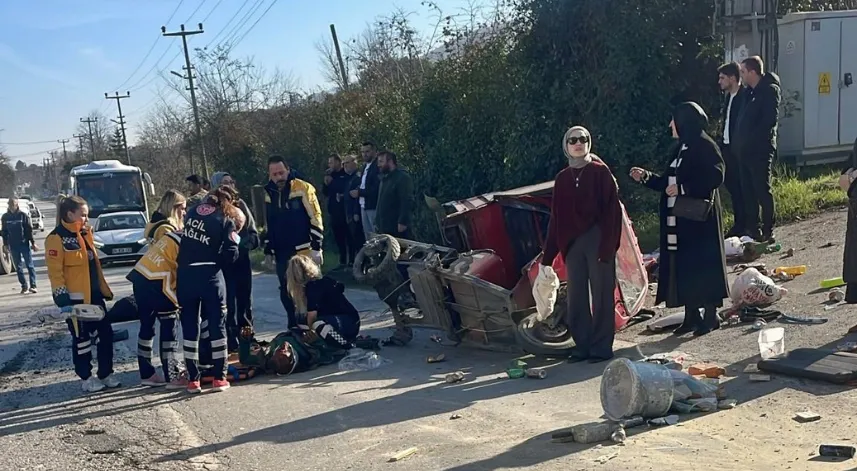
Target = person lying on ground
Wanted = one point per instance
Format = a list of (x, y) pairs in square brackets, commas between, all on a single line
[(293, 351), (321, 304)]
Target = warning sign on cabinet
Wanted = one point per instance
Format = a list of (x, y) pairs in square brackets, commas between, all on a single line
[(824, 83)]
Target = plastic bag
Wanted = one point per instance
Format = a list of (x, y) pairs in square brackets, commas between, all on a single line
[(752, 288), (545, 289), (361, 360), (733, 246), (691, 394)]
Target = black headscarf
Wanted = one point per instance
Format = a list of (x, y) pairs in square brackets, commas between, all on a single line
[(690, 121)]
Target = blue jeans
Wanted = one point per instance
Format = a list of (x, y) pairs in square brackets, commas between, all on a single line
[(22, 254)]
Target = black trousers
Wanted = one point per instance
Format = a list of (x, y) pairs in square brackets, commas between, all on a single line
[(239, 299), (592, 322), (89, 335), (736, 190), (340, 233), (756, 185), (282, 262), (202, 296), (356, 239)]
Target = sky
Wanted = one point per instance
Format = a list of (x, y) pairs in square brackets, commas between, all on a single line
[(59, 57)]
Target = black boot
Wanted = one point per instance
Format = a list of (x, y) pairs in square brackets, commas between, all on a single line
[(709, 323), (851, 293), (692, 320)]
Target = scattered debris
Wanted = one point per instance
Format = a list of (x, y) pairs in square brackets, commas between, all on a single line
[(827, 245), (850, 347), (515, 373), (836, 294), (831, 283), (807, 416), (619, 435), (536, 373), (436, 358), (727, 404), (94, 431), (436, 338), (633, 422), (709, 370), (454, 416), (751, 368), (837, 451), (403, 454), (606, 458), (759, 378), (661, 421), (790, 252), (592, 432), (759, 324), (456, 377)]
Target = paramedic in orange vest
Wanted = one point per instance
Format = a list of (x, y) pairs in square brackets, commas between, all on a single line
[(76, 278)]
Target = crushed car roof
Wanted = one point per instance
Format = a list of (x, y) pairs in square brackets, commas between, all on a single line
[(475, 202)]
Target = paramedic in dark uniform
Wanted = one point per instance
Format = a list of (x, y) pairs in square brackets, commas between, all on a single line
[(209, 243)]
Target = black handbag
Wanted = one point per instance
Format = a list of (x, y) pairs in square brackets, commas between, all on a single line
[(693, 209)]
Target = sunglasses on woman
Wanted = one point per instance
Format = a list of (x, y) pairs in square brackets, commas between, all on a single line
[(575, 139)]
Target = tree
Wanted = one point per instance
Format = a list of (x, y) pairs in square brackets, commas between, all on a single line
[(7, 177), (117, 144), (100, 136), (20, 165)]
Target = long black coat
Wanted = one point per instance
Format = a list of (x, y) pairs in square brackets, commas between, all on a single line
[(698, 268), (849, 263)]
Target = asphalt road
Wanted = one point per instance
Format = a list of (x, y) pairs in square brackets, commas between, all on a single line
[(325, 419)]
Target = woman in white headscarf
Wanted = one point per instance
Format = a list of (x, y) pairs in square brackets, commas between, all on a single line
[(585, 228)]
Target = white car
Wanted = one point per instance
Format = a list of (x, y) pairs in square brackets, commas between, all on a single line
[(35, 216), (120, 236)]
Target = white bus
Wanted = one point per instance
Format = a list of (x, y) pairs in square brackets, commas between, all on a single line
[(109, 186)]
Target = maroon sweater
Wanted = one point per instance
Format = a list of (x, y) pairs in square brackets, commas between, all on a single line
[(576, 209)]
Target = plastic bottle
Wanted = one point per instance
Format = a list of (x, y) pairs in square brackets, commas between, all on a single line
[(774, 248), (360, 360), (793, 271)]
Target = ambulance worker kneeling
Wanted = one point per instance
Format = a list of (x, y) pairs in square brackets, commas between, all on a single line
[(154, 283), (209, 244)]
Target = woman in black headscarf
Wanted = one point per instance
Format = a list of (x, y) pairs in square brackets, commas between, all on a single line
[(692, 270)]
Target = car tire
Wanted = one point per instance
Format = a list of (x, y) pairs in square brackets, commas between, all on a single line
[(530, 341), (6, 266), (374, 247)]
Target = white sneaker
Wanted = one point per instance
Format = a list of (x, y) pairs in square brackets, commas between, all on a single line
[(91, 385), (34, 290), (111, 382)]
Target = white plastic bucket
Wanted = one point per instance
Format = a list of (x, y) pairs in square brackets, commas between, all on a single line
[(631, 388), (772, 342)]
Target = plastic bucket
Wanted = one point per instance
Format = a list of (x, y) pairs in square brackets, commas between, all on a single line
[(772, 342), (630, 389)]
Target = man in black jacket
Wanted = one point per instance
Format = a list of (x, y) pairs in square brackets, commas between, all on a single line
[(368, 191), (335, 181), (395, 198), (756, 145), (356, 238), (18, 240), (729, 79)]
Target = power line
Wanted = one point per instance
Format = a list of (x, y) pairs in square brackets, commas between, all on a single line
[(236, 43), (194, 12), (28, 143), (226, 26), (243, 21), (152, 48), (135, 87), (210, 12), (13, 157)]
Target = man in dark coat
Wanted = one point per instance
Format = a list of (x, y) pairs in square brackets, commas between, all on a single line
[(849, 262), (395, 198), (334, 188), (756, 145), (729, 79), (692, 271), (356, 238)]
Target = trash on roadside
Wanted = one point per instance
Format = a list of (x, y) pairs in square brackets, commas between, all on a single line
[(436, 358), (662, 421), (752, 288), (709, 370), (633, 422), (751, 368), (792, 271), (436, 338), (790, 252), (772, 342), (805, 320), (837, 451), (759, 324), (664, 323), (727, 404), (593, 432), (630, 389), (733, 247), (606, 458), (807, 416), (455, 377), (361, 360), (759, 266), (832, 283), (454, 416), (759, 378), (403, 454), (536, 373), (849, 347), (693, 395), (515, 373), (836, 294)]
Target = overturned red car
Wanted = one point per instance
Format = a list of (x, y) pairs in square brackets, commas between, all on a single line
[(478, 286)]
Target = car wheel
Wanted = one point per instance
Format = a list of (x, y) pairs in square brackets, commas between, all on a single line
[(376, 259), (5, 263), (551, 337)]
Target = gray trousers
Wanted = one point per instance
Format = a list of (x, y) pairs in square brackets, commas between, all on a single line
[(368, 218), (592, 322)]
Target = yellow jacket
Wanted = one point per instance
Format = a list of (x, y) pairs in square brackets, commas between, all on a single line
[(68, 265), (156, 230), (159, 264)]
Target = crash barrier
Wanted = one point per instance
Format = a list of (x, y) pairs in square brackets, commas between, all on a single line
[(630, 389)]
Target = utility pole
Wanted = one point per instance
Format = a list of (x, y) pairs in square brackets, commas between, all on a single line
[(89, 122), (121, 121), (64, 154), (79, 138), (339, 58), (184, 34)]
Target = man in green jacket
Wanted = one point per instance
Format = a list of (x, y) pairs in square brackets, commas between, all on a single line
[(395, 198)]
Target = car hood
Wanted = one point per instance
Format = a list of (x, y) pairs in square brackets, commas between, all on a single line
[(119, 236)]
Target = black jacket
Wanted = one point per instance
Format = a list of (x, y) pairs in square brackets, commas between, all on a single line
[(338, 186), (17, 229), (734, 114), (756, 136), (373, 184), (249, 233), (352, 205), (395, 202), (209, 241)]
